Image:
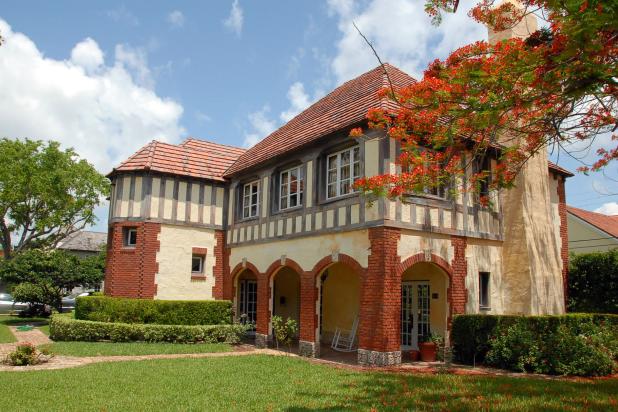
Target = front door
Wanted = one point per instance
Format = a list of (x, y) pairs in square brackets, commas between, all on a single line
[(247, 302), (414, 313)]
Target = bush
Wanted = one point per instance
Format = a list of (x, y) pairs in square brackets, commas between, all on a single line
[(575, 344), (63, 328), (26, 354), (149, 311), (593, 282)]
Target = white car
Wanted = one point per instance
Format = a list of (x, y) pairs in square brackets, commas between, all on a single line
[(9, 306)]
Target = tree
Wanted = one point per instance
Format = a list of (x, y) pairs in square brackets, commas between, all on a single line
[(593, 282), (43, 277), (516, 97), (45, 194)]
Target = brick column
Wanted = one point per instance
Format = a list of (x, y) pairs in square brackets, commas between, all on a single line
[(457, 293), (564, 236), (221, 271), (263, 299), (380, 311), (308, 318)]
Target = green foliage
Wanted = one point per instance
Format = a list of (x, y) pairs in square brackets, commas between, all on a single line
[(45, 194), (63, 328), (575, 344), (285, 331), (133, 348), (593, 282), (43, 276), (26, 354), (163, 312)]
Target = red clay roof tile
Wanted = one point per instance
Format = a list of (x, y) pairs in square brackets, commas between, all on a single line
[(608, 224)]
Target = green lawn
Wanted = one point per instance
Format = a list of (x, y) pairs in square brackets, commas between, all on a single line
[(285, 384), (132, 348), (5, 334)]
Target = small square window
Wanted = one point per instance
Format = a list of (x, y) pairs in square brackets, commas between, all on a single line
[(130, 237), (197, 264), (484, 290)]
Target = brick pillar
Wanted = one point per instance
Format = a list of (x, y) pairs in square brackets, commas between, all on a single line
[(380, 310), (221, 270), (564, 236), (263, 299), (457, 293), (308, 318)]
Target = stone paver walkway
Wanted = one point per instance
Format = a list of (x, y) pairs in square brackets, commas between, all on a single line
[(34, 336)]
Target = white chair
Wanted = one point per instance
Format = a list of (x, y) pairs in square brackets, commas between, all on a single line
[(343, 340)]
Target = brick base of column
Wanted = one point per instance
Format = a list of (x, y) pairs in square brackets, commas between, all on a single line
[(308, 349), (374, 358), (261, 340)]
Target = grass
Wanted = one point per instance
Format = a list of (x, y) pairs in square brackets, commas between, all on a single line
[(286, 384), (132, 348), (5, 334)]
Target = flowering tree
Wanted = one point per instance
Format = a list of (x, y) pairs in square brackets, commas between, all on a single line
[(514, 98)]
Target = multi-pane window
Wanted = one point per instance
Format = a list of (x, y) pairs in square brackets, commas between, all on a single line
[(197, 264), (290, 188), (250, 199), (130, 237), (342, 169), (484, 290)]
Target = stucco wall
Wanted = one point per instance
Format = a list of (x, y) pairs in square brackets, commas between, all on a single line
[(340, 300), (305, 251), (485, 256), (286, 286), (414, 242), (173, 278)]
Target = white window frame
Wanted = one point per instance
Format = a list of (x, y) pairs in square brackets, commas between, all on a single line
[(486, 305), (338, 181), (201, 259), (299, 187), (247, 204), (128, 242)]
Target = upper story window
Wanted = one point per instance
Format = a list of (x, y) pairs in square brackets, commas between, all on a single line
[(291, 188), (342, 169), (430, 185), (250, 199), (130, 237)]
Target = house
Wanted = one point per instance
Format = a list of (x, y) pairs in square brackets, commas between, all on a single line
[(278, 230), (83, 243), (590, 231)]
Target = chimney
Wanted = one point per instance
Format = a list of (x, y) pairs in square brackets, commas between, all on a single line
[(521, 30)]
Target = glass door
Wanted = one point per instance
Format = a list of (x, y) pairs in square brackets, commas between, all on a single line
[(247, 303), (415, 326)]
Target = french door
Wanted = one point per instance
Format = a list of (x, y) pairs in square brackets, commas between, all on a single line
[(247, 301), (414, 313)]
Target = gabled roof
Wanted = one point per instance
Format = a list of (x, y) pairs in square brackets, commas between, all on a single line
[(193, 157), (557, 169), (84, 240), (606, 223), (345, 106)]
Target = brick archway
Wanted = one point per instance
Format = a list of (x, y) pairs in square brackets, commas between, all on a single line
[(327, 261), (269, 277)]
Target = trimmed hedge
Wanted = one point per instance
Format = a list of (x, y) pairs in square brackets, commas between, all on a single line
[(593, 282), (150, 311), (64, 328), (573, 344)]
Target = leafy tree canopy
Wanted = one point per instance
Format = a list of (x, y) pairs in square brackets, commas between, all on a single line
[(44, 276), (45, 194), (516, 97), (593, 282)]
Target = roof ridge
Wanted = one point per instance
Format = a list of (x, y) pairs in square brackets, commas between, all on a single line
[(153, 147)]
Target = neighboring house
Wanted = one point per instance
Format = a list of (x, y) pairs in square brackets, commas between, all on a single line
[(278, 230), (84, 244), (590, 231)]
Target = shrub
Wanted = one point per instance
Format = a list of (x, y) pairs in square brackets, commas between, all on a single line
[(575, 344), (593, 282), (26, 354), (284, 331), (162, 312), (63, 328)]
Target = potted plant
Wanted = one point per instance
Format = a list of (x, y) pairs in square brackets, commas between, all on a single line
[(414, 354), (428, 349)]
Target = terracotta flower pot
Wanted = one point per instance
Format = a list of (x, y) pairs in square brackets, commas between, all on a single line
[(414, 354), (428, 351)]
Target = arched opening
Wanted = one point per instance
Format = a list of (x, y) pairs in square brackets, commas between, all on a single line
[(339, 309), (286, 295), (424, 305), (246, 298)]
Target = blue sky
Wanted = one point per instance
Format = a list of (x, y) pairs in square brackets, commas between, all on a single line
[(107, 77)]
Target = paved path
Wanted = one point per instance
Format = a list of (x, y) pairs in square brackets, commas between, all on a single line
[(34, 336)]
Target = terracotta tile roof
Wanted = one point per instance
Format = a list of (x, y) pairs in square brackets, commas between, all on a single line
[(608, 224), (555, 168), (345, 106), (193, 157)]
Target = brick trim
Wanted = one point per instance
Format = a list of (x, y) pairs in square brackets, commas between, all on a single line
[(199, 251), (564, 236), (222, 287), (457, 292), (327, 261), (276, 266)]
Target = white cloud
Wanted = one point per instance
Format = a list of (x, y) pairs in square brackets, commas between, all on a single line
[(176, 19), (261, 124), (105, 114), (87, 54), (123, 15), (299, 101), (202, 117), (401, 32), (610, 208), (235, 20), (134, 59)]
